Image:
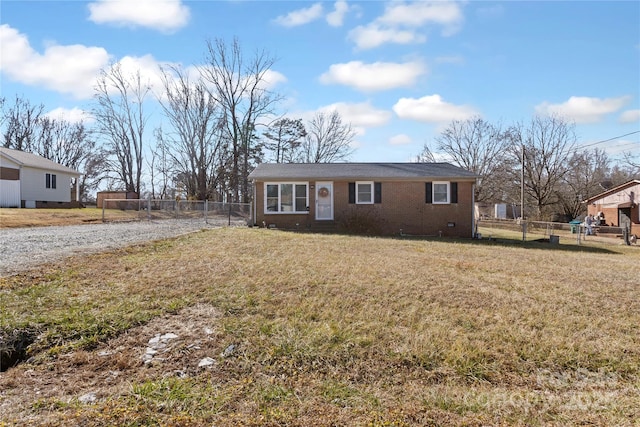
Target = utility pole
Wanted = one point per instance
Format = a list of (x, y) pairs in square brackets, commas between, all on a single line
[(522, 221)]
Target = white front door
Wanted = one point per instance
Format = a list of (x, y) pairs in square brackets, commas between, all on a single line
[(324, 201)]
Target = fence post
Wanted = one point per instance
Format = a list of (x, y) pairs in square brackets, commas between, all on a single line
[(149, 208), (229, 214), (625, 235), (206, 211)]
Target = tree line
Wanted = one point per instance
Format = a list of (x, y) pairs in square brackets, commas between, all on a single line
[(541, 157), (217, 123), (218, 120)]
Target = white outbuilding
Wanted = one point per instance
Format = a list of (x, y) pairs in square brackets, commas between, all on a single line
[(29, 181)]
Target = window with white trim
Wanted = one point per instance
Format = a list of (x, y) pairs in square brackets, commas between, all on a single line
[(441, 192), (364, 192), (50, 180), (286, 197)]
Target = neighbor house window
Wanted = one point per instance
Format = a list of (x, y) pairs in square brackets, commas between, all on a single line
[(289, 197), (441, 192), (50, 180)]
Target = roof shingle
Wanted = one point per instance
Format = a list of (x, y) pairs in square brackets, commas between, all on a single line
[(35, 161), (375, 171)]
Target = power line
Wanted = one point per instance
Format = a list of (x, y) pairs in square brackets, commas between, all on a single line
[(607, 140)]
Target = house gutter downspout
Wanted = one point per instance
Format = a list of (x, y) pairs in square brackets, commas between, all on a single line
[(78, 188), (474, 230), (254, 211)]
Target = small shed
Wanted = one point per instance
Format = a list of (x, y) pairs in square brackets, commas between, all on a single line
[(105, 195), (422, 199), (31, 181), (619, 206)]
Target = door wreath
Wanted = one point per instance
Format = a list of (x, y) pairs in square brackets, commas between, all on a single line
[(323, 192)]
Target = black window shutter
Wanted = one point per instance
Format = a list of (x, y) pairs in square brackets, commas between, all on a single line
[(377, 196), (53, 181), (453, 187), (429, 192), (352, 192), (48, 180)]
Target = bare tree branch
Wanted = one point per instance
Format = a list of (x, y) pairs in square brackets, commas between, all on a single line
[(328, 139)]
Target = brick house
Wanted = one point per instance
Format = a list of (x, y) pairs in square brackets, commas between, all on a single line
[(619, 206), (423, 199)]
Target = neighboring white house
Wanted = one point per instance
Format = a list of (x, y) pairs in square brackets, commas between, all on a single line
[(28, 180)]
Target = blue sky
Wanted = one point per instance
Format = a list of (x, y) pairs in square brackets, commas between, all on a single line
[(398, 71)]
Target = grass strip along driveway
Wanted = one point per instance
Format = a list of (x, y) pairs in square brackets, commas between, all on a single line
[(263, 327)]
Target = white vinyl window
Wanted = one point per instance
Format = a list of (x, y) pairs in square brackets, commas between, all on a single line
[(364, 192), (286, 197), (441, 192)]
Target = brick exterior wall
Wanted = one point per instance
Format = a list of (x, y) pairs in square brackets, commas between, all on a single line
[(608, 204), (611, 216), (403, 209)]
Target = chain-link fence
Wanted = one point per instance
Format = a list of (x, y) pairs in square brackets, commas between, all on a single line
[(159, 209), (574, 231)]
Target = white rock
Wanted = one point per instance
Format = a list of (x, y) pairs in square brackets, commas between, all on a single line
[(207, 361), (88, 398), (168, 336)]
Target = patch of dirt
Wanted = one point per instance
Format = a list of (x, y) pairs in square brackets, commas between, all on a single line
[(171, 345)]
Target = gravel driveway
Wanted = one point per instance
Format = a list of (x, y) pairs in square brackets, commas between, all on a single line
[(23, 248)]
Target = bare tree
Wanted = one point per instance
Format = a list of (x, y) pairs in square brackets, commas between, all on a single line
[(586, 171), (72, 145), (120, 119), (196, 126), (478, 147), (285, 137), (547, 143), (20, 122), (632, 164), (239, 88), (327, 139)]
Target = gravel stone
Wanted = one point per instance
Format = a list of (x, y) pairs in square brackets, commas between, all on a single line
[(25, 248)]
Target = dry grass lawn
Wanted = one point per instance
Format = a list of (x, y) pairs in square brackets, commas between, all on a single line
[(10, 217), (327, 330)]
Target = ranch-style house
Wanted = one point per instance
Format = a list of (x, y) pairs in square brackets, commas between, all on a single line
[(420, 199), (31, 181), (619, 206)]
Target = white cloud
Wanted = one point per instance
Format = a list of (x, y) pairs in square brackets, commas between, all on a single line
[(400, 139), (68, 69), (359, 114), (73, 115), (373, 35), (162, 15), (630, 116), (272, 78), (417, 14), (375, 76), (583, 109), (300, 16), (432, 109), (403, 22), (336, 18), (148, 68)]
